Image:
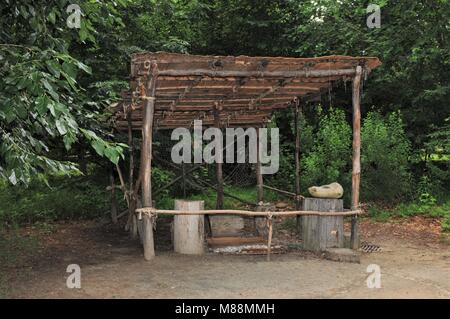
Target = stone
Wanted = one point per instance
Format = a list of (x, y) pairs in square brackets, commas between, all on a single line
[(333, 190)]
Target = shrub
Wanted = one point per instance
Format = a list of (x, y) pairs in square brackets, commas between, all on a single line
[(436, 157), (76, 197), (330, 155), (385, 152)]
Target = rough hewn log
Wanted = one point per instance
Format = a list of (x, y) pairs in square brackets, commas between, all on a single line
[(262, 74), (151, 210), (189, 230), (356, 158), (146, 162), (297, 160), (322, 232)]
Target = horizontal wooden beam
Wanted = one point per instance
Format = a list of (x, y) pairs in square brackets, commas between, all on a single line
[(258, 74), (151, 210)]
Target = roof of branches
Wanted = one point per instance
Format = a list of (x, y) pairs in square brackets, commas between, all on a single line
[(241, 91)]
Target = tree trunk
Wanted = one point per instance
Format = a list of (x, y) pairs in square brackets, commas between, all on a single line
[(356, 158), (189, 230), (322, 232), (146, 163)]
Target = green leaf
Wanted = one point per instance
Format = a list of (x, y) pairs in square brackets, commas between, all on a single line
[(12, 178), (54, 67), (84, 67), (52, 17), (50, 89), (70, 69), (41, 104), (60, 125), (68, 140), (112, 154), (99, 147)]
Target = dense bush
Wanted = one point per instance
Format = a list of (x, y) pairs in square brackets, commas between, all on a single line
[(385, 152), (329, 157), (436, 158), (66, 198), (326, 152)]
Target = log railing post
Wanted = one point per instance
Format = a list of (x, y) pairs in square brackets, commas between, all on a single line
[(356, 157), (146, 160)]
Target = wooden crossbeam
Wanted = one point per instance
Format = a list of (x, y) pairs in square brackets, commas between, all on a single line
[(273, 89)]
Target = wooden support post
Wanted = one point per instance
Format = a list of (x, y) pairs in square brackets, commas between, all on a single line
[(132, 223), (297, 161), (356, 158), (146, 161), (269, 237), (322, 232), (259, 177), (219, 171), (189, 230), (114, 206)]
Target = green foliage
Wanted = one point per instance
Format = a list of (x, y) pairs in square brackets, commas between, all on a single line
[(43, 105), (56, 83), (68, 198), (385, 151), (328, 159), (436, 158)]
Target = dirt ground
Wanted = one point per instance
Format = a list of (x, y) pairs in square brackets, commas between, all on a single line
[(414, 263)]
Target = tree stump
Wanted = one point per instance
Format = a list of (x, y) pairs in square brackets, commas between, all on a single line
[(322, 232), (189, 230)]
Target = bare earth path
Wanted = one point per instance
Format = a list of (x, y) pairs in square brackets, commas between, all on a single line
[(414, 264)]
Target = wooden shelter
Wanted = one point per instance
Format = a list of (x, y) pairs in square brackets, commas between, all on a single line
[(172, 90)]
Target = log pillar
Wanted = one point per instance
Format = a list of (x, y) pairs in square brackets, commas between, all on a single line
[(322, 232), (356, 155), (146, 160), (297, 161), (189, 230)]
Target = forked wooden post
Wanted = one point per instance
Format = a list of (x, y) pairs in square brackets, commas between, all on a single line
[(146, 164), (259, 177), (356, 158)]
